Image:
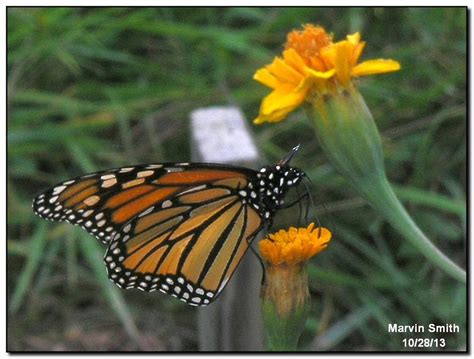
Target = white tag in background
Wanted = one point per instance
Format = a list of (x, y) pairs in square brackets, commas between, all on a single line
[(221, 135)]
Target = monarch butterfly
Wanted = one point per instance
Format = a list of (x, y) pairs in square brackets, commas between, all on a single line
[(181, 228)]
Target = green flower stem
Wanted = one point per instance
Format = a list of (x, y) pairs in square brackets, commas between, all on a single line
[(285, 305), (380, 195), (350, 139)]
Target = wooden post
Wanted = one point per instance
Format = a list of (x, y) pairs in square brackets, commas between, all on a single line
[(234, 321)]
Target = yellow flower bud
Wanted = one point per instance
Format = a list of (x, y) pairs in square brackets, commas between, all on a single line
[(285, 295)]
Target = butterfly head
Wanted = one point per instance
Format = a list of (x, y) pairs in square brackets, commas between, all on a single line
[(275, 181)]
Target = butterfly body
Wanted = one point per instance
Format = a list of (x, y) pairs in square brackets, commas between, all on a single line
[(175, 227)]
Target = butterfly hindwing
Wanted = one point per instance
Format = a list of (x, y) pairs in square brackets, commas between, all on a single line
[(188, 248)]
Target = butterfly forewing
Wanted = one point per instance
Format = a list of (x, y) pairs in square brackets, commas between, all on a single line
[(102, 202), (94, 201)]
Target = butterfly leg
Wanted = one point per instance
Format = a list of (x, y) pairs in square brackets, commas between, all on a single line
[(300, 205), (309, 202), (299, 199), (259, 258), (305, 197)]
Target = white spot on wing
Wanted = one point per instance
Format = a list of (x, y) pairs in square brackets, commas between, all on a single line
[(126, 169), (174, 169), (197, 188), (144, 173), (148, 211), (106, 177), (87, 213), (59, 189)]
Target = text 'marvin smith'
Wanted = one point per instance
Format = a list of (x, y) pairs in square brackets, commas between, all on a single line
[(417, 328)]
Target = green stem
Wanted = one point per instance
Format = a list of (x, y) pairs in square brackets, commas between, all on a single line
[(379, 193), (348, 134)]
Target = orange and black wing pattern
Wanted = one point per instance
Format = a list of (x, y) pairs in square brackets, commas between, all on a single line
[(188, 247), (102, 202), (185, 224), (179, 228)]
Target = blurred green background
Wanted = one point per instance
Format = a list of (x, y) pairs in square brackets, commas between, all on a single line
[(96, 88)]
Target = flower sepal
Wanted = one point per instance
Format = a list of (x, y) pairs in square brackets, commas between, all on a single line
[(285, 305), (348, 134)]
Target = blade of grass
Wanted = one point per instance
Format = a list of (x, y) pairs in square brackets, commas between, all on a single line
[(81, 157), (71, 259), (342, 329), (25, 279), (93, 254), (430, 199), (385, 263), (47, 269), (318, 274)]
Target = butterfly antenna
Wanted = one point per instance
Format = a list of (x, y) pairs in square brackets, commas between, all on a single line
[(290, 155)]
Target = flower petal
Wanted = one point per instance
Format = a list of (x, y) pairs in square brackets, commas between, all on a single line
[(338, 57), (317, 64), (270, 251), (354, 38), (357, 52), (294, 60), (284, 72), (320, 75), (266, 78), (312, 64), (294, 245), (372, 67), (318, 81), (276, 106)]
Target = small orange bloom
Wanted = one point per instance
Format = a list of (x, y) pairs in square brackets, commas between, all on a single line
[(294, 245)]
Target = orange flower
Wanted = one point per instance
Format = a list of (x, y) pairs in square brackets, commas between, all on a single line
[(295, 245), (312, 65)]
